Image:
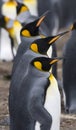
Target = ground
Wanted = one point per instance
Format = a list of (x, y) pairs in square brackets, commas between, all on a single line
[(68, 122)]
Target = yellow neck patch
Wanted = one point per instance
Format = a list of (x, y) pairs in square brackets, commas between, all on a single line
[(51, 77), (16, 23), (6, 19), (54, 39), (23, 9), (34, 47), (11, 32), (10, 3), (42, 36), (53, 82), (38, 65), (26, 33), (29, 1)]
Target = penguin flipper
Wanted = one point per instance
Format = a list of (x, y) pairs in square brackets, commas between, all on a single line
[(40, 114)]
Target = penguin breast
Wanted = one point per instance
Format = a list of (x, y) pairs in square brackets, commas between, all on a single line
[(52, 103)]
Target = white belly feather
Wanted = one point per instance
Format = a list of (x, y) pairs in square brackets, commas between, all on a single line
[(52, 104)]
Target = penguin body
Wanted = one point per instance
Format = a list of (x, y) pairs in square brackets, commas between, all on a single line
[(69, 73), (27, 106), (6, 53), (31, 93), (5, 24), (12, 27), (53, 103)]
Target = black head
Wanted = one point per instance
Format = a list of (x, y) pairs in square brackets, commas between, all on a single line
[(42, 45), (21, 7), (32, 29), (43, 63)]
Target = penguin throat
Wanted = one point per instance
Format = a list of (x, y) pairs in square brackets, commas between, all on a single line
[(23, 9)]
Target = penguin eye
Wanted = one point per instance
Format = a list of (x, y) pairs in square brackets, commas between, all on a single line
[(34, 47), (38, 65), (26, 33)]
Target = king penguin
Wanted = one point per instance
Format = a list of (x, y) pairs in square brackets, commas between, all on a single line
[(28, 33), (26, 101), (69, 72), (35, 50)]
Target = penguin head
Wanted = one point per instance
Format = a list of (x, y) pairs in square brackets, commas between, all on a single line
[(32, 29), (73, 27), (44, 63), (42, 45), (21, 7)]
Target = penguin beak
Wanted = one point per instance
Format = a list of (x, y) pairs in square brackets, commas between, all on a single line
[(40, 20), (55, 60), (57, 37)]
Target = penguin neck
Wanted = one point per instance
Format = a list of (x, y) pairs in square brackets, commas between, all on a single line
[(21, 17), (30, 39), (53, 81), (37, 73)]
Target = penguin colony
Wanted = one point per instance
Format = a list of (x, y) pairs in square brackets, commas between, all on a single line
[(33, 67), (34, 98), (33, 84)]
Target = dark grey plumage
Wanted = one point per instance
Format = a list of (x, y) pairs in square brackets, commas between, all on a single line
[(27, 94), (69, 72)]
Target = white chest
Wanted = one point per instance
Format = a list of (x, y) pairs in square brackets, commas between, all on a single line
[(52, 105), (49, 52), (9, 10)]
